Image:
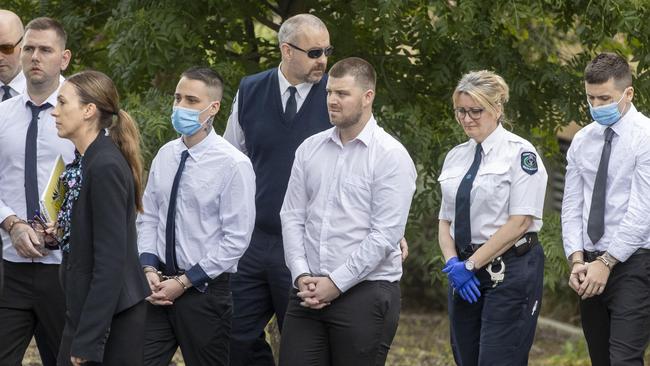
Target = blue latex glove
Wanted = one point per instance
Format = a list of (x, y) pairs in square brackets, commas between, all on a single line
[(457, 274), (470, 291), (451, 261)]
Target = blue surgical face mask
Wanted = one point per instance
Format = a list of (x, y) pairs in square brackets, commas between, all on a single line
[(186, 121), (607, 114)]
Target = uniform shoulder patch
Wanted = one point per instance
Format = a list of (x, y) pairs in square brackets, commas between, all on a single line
[(529, 162)]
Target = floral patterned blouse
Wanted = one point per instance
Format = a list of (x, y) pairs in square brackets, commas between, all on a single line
[(71, 179)]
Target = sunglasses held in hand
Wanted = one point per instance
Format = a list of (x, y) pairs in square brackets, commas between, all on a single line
[(39, 225)]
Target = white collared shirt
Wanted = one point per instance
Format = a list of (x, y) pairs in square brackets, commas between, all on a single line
[(234, 133), (17, 85), (15, 117), (627, 206), (215, 206), (346, 207), (504, 186)]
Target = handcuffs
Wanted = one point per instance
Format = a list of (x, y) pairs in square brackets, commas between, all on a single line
[(496, 276), (162, 277)]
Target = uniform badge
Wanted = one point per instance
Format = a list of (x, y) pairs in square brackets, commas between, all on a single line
[(529, 162)]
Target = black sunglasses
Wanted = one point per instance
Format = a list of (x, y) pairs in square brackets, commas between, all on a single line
[(9, 49), (315, 52)]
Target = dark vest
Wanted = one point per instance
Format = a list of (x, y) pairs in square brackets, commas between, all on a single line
[(271, 141)]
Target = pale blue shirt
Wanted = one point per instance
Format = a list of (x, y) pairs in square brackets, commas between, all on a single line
[(627, 206), (215, 208), (346, 207), (15, 117)]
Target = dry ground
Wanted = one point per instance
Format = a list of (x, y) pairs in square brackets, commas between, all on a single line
[(422, 340)]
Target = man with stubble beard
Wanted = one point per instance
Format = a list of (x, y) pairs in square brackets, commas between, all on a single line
[(32, 298), (273, 113)]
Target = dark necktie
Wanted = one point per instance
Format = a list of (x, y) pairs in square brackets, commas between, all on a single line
[(7, 93), (462, 226), (171, 267), (291, 108), (31, 171), (596, 222)]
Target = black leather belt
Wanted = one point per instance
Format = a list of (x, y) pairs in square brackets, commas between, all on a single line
[(521, 247), (591, 256)]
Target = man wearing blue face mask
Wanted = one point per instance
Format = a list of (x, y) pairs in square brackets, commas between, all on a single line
[(199, 212), (605, 221)]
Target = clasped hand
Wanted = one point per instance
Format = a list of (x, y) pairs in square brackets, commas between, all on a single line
[(27, 242), (317, 292), (163, 292), (589, 279), (462, 280)]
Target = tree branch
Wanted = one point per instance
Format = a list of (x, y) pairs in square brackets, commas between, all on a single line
[(267, 22)]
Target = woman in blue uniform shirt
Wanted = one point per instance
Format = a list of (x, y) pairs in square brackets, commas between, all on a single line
[(493, 190)]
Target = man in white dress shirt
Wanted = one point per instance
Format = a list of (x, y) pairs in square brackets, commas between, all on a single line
[(605, 220), (199, 211), (12, 80), (343, 215), (32, 297)]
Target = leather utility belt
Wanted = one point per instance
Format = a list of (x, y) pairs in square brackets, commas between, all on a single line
[(524, 245), (497, 268), (521, 247), (591, 256)]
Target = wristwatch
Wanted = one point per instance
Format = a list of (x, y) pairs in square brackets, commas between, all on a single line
[(469, 265)]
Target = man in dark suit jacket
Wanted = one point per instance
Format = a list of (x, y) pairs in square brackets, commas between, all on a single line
[(274, 112)]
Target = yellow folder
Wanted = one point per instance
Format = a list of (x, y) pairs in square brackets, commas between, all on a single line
[(52, 197)]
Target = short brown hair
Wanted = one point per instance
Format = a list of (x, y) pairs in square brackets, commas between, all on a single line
[(208, 76), (362, 71), (608, 65), (45, 23)]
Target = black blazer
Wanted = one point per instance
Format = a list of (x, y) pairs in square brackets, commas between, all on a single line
[(102, 275)]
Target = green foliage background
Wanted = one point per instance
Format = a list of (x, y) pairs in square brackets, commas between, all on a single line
[(419, 48)]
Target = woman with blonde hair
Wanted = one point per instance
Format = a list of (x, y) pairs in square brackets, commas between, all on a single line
[(493, 190), (102, 277)]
